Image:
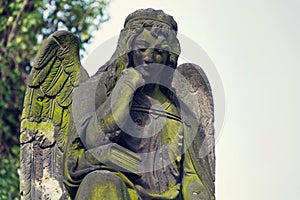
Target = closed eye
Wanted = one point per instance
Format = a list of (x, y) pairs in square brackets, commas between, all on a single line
[(160, 51), (142, 49)]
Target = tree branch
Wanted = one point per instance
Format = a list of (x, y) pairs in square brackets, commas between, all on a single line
[(14, 27)]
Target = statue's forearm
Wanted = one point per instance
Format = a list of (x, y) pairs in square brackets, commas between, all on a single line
[(113, 112)]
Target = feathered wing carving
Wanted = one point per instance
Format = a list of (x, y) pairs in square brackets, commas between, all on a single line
[(199, 100), (46, 114)]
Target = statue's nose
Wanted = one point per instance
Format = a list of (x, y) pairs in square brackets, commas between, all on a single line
[(148, 56)]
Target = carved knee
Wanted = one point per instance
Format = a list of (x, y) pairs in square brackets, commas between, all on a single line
[(102, 185)]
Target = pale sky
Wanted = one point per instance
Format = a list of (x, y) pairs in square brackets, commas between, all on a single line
[(255, 48)]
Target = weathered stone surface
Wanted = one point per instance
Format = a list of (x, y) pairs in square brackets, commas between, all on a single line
[(145, 131)]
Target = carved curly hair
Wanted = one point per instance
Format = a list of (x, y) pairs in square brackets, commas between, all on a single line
[(158, 23)]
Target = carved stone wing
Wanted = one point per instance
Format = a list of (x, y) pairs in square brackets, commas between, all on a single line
[(46, 115), (195, 93)]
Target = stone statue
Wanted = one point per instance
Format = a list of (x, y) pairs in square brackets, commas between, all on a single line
[(140, 128)]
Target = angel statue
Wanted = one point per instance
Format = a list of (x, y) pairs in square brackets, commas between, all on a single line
[(140, 128)]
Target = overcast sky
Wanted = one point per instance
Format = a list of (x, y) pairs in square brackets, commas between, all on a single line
[(255, 48)]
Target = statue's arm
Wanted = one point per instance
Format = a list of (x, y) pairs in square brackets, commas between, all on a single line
[(104, 127), (97, 130)]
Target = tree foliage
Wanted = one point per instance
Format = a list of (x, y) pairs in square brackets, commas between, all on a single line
[(23, 25)]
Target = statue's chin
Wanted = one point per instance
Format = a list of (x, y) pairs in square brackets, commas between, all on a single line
[(150, 72)]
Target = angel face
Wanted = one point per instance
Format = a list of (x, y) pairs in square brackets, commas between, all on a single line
[(149, 50)]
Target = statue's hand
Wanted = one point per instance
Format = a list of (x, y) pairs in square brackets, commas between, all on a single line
[(132, 77)]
